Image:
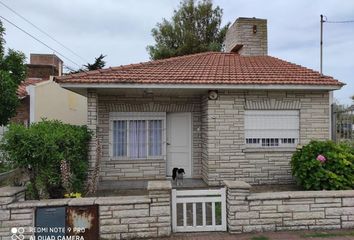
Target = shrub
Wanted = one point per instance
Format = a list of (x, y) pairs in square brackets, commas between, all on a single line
[(324, 165), (5, 166), (41, 148)]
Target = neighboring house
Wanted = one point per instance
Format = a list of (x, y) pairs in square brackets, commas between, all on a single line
[(235, 115), (41, 97)]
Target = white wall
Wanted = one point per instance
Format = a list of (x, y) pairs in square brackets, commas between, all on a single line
[(50, 101)]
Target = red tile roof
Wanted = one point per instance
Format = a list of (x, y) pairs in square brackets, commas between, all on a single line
[(206, 68), (21, 90)]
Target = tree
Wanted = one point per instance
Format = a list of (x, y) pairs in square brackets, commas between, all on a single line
[(98, 64), (194, 27), (12, 73)]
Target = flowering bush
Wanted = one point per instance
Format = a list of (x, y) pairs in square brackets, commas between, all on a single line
[(324, 165), (321, 158)]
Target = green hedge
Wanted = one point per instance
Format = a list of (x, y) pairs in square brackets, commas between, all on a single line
[(324, 165), (41, 148)]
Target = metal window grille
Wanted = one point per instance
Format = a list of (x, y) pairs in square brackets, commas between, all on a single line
[(271, 128), (342, 123)]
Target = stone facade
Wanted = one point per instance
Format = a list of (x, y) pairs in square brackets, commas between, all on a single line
[(267, 166), (285, 211), (223, 140), (127, 217), (219, 150), (248, 37), (225, 156), (145, 169)]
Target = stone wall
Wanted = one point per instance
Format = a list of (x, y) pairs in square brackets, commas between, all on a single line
[(127, 217), (225, 155), (10, 217), (138, 102), (267, 166), (223, 138), (92, 125), (139, 216), (283, 211), (149, 216)]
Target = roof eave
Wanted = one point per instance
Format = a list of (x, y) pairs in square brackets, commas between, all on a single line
[(202, 86)]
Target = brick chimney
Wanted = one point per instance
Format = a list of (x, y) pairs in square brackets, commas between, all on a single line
[(44, 65), (248, 37)]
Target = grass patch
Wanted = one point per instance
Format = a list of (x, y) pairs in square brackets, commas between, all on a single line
[(260, 238), (328, 234)]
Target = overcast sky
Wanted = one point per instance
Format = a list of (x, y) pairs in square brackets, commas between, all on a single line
[(122, 30)]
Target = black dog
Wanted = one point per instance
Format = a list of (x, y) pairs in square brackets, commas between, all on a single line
[(177, 175)]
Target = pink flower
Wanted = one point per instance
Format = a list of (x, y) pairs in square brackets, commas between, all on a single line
[(321, 158)]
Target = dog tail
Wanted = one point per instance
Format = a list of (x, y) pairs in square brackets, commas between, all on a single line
[(174, 173)]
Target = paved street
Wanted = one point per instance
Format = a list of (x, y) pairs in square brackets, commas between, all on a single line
[(303, 235)]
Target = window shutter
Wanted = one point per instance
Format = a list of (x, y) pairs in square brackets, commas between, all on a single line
[(271, 124)]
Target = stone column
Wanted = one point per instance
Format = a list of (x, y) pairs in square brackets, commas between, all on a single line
[(237, 205), (92, 106), (222, 134), (160, 207), (8, 195)]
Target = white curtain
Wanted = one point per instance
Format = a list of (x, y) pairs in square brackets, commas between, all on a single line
[(143, 142), (155, 137), (137, 139), (120, 138)]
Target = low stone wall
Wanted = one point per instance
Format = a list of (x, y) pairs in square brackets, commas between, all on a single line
[(149, 216), (280, 211), (125, 217)]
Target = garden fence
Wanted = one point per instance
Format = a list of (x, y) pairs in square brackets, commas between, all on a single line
[(342, 123)]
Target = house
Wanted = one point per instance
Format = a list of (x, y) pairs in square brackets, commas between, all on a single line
[(233, 115), (41, 97)]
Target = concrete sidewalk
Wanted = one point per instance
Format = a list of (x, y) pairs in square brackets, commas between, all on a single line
[(296, 235)]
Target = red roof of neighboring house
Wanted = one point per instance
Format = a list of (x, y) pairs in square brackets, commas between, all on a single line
[(21, 90), (206, 68)]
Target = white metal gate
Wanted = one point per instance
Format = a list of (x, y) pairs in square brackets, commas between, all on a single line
[(199, 210)]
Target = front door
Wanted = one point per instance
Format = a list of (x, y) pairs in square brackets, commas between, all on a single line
[(179, 142)]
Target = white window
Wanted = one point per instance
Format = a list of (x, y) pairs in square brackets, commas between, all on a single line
[(271, 128), (137, 135)]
